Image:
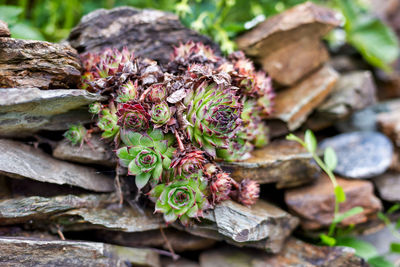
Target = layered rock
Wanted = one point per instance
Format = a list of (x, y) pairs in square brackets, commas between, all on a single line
[(26, 111), (262, 226), (21, 161), (150, 33), (388, 185), (282, 162), (294, 253), (27, 63), (293, 105), (97, 151), (288, 45), (37, 252), (353, 91)]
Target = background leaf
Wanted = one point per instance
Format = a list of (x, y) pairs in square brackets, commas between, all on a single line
[(342, 216), (339, 194), (330, 158), (311, 141)]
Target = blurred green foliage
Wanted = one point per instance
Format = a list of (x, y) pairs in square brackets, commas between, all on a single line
[(220, 19)]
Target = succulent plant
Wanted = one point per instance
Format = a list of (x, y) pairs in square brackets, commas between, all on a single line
[(76, 134), (95, 108), (180, 199), (172, 122), (133, 116), (128, 92), (187, 163), (160, 114), (213, 116), (146, 155), (221, 187), (249, 192), (108, 123)]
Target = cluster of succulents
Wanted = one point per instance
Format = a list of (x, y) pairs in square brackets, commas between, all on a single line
[(169, 125)]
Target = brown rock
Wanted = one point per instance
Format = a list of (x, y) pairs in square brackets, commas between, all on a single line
[(293, 105), (314, 203), (180, 241), (27, 63), (388, 186), (353, 91), (150, 33), (389, 124), (179, 263), (289, 45), (38, 252), (21, 161), (98, 152), (262, 226), (295, 253), (282, 162), (4, 31)]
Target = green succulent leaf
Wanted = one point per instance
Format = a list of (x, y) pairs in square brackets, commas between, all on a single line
[(142, 179)]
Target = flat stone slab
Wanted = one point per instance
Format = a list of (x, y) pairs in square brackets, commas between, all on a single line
[(126, 219), (263, 226), (149, 33), (18, 160), (38, 252), (295, 253), (361, 155), (179, 240), (21, 210), (282, 162), (293, 105), (288, 45), (353, 91), (28, 63), (388, 185), (314, 203), (28, 110), (98, 152)]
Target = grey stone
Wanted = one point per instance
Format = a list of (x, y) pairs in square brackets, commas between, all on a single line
[(25, 111), (282, 162), (295, 253), (361, 154), (21, 210), (149, 33), (97, 152), (126, 219), (36, 252), (262, 226), (353, 91), (388, 185), (21, 161), (28, 63), (366, 119), (179, 240)]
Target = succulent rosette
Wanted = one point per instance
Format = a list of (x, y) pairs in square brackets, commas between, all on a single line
[(133, 116), (213, 116), (180, 199), (187, 163), (221, 187), (76, 134), (249, 192), (146, 155), (128, 92), (160, 114), (108, 123)]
